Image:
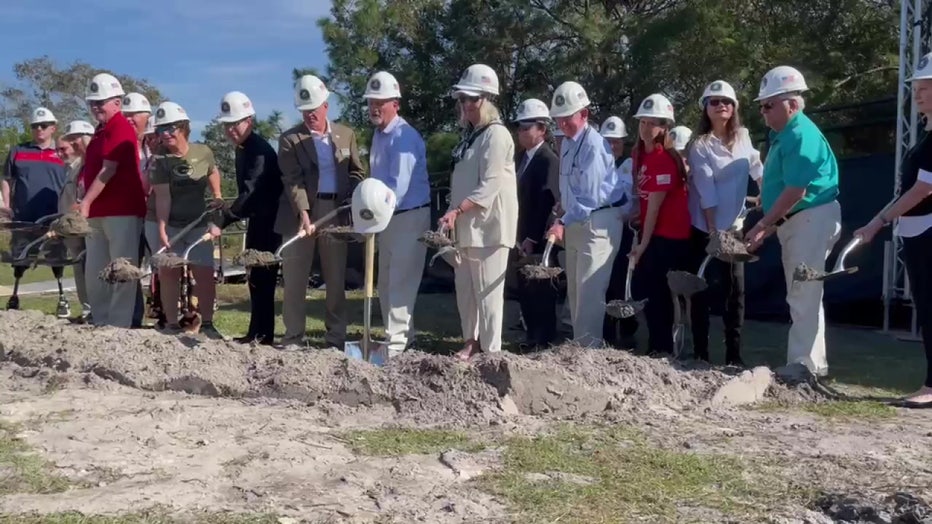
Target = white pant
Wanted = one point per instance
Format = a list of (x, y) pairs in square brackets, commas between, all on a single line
[(591, 247), (808, 238), (480, 294), (401, 265), (112, 238)]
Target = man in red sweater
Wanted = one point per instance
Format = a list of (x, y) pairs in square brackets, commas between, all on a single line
[(114, 201)]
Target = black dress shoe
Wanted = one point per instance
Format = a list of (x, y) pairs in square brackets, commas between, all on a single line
[(735, 361)]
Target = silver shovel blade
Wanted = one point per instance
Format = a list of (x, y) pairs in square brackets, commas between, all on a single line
[(378, 352)]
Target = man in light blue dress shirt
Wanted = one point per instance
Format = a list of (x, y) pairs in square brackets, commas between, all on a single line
[(398, 158)]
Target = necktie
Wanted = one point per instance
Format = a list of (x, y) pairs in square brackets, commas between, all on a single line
[(522, 165)]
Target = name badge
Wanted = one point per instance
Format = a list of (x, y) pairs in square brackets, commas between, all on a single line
[(344, 151)]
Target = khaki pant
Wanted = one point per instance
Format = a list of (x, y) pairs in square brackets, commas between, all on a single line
[(807, 238), (480, 294), (296, 270), (591, 247), (112, 238), (401, 266)]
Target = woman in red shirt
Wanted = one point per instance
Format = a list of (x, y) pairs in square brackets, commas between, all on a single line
[(664, 215)]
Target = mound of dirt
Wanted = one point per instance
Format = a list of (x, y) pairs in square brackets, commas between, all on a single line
[(567, 383), (255, 258), (121, 270), (71, 224), (900, 507)]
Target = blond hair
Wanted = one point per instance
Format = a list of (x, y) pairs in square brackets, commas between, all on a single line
[(488, 113)]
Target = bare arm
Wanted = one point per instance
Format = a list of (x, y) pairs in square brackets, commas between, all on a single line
[(5, 191), (163, 206), (97, 187), (213, 180), (654, 200)]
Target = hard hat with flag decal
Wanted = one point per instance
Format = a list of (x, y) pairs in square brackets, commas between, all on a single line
[(656, 106), (382, 86), (42, 115), (235, 106), (309, 93), (477, 80), (170, 113), (135, 103), (78, 128), (680, 136), (373, 205), (102, 87), (923, 69), (569, 98), (781, 80), (613, 127), (719, 88), (532, 110)]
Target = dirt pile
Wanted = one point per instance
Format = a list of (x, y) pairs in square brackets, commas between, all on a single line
[(902, 508), (566, 383), (71, 224), (254, 258)]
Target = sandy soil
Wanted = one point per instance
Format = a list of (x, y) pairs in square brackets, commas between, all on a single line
[(139, 418)]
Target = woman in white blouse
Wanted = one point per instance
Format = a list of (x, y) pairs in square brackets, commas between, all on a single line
[(484, 211), (721, 158)]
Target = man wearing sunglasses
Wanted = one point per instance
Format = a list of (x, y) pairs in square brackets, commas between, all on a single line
[(798, 195), (114, 201), (32, 178)]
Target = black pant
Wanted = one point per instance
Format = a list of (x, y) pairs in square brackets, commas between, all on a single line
[(731, 278), (538, 300), (650, 281), (619, 332), (262, 280), (19, 271), (917, 252), (139, 307)]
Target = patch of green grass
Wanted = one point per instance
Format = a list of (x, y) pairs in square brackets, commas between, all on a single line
[(21, 469), (597, 475), (153, 516), (836, 410), (393, 442)]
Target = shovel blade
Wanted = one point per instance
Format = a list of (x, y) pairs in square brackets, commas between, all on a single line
[(378, 353)]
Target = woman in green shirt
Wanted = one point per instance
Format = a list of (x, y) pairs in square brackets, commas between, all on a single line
[(181, 175)]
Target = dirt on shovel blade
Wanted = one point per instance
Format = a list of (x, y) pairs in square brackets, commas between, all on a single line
[(6, 214), (167, 260), (726, 244), (435, 240), (121, 270), (804, 273), (255, 258), (71, 224), (685, 283), (342, 234), (624, 309), (535, 272)]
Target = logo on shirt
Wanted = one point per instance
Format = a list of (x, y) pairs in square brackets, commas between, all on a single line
[(663, 180), (182, 169)]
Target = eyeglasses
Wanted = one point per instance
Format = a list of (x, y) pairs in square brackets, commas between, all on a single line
[(98, 103), (464, 98), (231, 125), (527, 126), (43, 126), (61, 149), (166, 128), (767, 106), (715, 102)]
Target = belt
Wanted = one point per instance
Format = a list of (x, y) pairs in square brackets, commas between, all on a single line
[(619, 203), (400, 211), (782, 220), (327, 196)]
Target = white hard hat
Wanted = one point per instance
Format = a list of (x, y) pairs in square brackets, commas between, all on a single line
[(382, 86), (150, 127), (78, 127), (309, 93), (477, 79), (42, 115), (532, 109), (568, 99), (614, 127), (680, 136), (170, 113), (781, 80), (923, 69), (136, 103), (102, 87), (373, 205), (235, 106), (719, 88), (656, 106)]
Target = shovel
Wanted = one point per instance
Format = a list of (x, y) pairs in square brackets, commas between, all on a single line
[(438, 240), (543, 271), (367, 349), (190, 317), (251, 258), (626, 308), (804, 273)]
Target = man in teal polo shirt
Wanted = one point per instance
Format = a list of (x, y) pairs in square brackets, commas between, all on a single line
[(799, 191)]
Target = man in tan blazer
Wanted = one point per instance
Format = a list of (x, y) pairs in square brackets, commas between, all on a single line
[(320, 168)]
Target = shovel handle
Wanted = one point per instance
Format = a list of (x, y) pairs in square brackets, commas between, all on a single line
[(203, 238), (547, 249), (849, 247), (703, 266), (628, 275)]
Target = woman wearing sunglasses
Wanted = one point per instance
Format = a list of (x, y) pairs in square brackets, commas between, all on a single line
[(721, 158), (183, 172), (484, 214), (664, 216)]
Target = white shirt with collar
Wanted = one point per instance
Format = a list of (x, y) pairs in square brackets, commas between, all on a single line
[(326, 161), (529, 155), (719, 178)]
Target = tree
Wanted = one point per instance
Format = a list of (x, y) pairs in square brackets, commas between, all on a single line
[(41, 82)]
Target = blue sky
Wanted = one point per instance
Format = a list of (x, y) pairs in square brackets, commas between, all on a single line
[(194, 51)]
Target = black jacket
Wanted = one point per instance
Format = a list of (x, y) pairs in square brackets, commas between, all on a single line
[(535, 199), (258, 181)]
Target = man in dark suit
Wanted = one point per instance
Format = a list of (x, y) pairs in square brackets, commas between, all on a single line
[(320, 168), (537, 168), (259, 186)]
